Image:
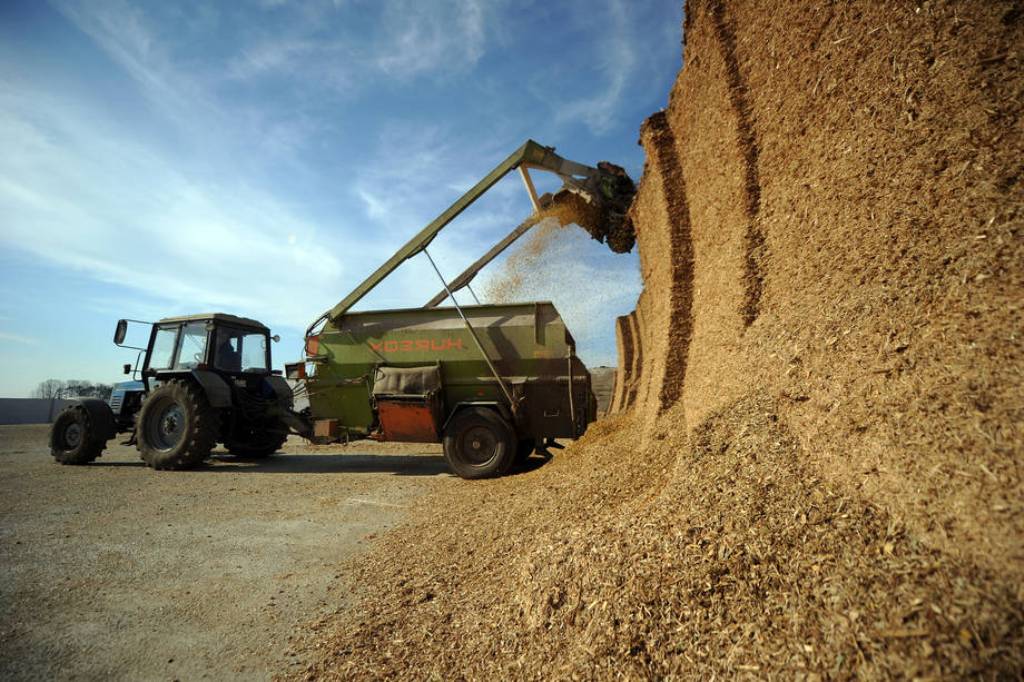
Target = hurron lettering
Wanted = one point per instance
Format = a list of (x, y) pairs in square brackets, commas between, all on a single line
[(418, 345)]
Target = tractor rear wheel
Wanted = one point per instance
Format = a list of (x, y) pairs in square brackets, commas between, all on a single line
[(74, 438), (479, 443), (177, 428)]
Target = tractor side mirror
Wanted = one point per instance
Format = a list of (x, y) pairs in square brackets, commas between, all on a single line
[(127, 368), (275, 338), (120, 332)]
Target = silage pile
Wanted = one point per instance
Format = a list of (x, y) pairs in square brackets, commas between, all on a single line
[(817, 470), (732, 558)]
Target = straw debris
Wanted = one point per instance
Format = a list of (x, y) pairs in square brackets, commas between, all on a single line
[(721, 556)]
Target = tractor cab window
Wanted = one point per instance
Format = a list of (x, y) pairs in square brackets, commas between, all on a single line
[(193, 346), (162, 356), (239, 350)]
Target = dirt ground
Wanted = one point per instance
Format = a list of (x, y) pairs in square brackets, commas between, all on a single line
[(113, 570)]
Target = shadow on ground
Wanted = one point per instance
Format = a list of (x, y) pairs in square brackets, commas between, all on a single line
[(400, 465)]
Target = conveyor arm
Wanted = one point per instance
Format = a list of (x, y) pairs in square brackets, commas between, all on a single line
[(530, 155)]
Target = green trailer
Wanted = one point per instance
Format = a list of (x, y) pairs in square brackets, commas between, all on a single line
[(508, 372)]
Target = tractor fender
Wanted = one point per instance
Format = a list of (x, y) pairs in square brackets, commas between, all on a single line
[(101, 417), (282, 390), (500, 408), (218, 392)]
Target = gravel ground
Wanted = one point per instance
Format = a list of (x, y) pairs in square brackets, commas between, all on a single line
[(113, 570)]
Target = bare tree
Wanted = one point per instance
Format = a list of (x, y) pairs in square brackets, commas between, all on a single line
[(86, 389), (50, 389), (55, 389)]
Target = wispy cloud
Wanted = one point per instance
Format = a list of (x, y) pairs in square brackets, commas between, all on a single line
[(15, 338), (187, 242), (412, 39), (123, 32), (618, 61), (422, 38), (315, 63), (186, 95)]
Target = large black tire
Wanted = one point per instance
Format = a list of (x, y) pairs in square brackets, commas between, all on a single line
[(74, 438), (177, 428), (479, 443), (259, 445)]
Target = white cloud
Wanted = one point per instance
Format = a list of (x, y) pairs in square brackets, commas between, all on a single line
[(16, 338), (87, 199), (421, 37), (187, 96), (410, 39), (314, 63), (618, 61), (122, 31)]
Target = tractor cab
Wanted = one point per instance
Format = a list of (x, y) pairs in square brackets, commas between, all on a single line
[(228, 345)]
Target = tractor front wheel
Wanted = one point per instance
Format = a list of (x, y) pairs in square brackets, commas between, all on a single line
[(74, 439), (479, 443), (177, 428)]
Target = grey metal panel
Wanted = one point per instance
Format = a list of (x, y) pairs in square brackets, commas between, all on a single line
[(407, 381), (218, 393), (30, 410)]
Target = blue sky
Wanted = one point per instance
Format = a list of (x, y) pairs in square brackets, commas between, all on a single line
[(261, 158)]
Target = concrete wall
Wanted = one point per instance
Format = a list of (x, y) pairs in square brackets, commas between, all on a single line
[(30, 410)]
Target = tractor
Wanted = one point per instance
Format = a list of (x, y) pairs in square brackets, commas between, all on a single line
[(200, 380)]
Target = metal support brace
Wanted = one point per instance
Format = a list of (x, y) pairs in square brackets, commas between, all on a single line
[(530, 189), (572, 407), (472, 332)]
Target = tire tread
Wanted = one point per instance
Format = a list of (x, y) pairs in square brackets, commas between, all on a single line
[(500, 467), (198, 443), (92, 446)]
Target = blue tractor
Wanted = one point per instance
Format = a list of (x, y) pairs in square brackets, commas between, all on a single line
[(200, 380)]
